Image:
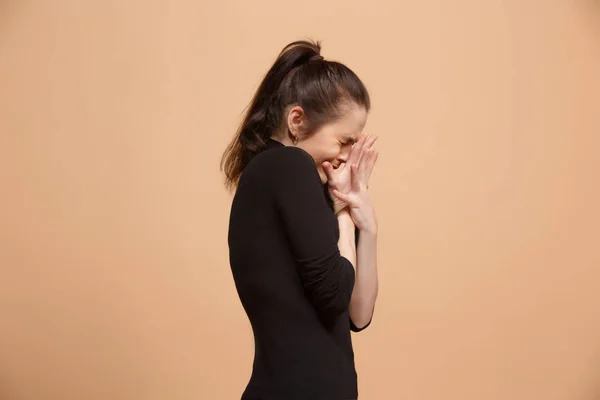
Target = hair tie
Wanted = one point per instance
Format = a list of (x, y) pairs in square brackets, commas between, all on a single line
[(316, 57)]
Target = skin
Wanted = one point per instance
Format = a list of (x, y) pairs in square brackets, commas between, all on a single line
[(332, 143), (345, 158)]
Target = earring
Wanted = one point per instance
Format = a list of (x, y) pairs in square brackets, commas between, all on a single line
[(295, 140)]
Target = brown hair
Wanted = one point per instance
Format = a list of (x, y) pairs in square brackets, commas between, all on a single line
[(299, 76)]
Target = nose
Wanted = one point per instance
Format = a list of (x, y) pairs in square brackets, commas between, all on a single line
[(344, 154)]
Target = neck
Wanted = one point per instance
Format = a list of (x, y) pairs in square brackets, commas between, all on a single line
[(283, 139)]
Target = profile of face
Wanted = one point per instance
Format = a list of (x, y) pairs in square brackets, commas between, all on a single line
[(331, 142)]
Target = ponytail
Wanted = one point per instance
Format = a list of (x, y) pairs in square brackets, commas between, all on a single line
[(300, 76)]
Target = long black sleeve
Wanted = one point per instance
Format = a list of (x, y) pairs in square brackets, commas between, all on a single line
[(327, 276)]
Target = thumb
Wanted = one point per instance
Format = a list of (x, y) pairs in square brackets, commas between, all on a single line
[(328, 168)]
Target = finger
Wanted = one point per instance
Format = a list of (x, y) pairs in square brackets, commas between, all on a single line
[(366, 166), (346, 198), (328, 168), (371, 164), (370, 142), (342, 196), (355, 177), (360, 151), (366, 160), (355, 154)]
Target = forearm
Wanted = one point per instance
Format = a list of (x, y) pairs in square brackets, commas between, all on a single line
[(366, 284), (346, 242)]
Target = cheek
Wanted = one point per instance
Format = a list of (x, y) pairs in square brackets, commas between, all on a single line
[(331, 152), (326, 148)]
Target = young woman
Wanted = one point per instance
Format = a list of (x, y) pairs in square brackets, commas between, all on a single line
[(303, 232)]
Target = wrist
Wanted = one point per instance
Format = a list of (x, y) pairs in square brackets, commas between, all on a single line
[(370, 228), (345, 218), (369, 231), (343, 213)]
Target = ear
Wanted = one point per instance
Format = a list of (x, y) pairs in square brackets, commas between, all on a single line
[(296, 120)]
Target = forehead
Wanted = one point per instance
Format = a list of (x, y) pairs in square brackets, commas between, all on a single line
[(351, 123)]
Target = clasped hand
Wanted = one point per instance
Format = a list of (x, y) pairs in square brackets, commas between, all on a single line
[(348, 184)]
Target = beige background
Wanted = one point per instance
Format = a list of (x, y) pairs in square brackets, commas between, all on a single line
[(114, 280)]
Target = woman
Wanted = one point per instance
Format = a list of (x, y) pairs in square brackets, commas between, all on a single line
[(301, 165)]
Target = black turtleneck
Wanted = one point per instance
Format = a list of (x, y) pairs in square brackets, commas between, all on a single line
[(291, 279)]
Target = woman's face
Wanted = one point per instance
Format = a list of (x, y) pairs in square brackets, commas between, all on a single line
[(333, 141)]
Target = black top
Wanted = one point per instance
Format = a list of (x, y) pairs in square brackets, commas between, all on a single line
[(291, 279)]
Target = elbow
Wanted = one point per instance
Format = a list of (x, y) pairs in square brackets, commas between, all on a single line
[(330, 290), (362, 321)]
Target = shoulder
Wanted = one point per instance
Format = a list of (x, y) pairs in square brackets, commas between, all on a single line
[(284, 160), (285, 157), (282, 168)]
